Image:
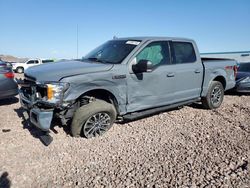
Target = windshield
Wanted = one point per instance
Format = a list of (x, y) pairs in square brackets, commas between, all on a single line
[(244, 67), (114, 51)]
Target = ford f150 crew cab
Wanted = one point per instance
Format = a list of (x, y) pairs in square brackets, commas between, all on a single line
[(124, 78)]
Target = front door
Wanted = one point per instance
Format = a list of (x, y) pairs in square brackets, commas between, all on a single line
[(155, 88)]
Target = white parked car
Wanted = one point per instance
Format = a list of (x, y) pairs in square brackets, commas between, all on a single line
[(20, 67)]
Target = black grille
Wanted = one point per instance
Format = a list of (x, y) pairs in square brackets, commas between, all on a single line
[(32, 90)]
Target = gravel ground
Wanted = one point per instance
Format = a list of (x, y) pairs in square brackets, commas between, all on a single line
[(190, 147)]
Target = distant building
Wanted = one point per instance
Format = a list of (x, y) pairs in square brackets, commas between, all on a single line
[(241, 56)]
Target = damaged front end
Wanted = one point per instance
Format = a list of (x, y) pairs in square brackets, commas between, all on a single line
[(43, 101)]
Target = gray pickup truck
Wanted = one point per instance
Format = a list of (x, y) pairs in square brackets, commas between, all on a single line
[(125, 78)]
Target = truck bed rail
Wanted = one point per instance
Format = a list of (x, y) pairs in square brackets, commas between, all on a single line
[(214, 59)]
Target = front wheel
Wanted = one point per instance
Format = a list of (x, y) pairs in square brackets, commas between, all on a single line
[(93, 119), (214, 96)]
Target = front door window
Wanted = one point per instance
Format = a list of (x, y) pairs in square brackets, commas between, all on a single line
[(156, 52)]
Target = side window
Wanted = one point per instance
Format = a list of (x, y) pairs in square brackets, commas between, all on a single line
[(31, 62), (155, 52), (36, 62), (183, 52), (48, 61)]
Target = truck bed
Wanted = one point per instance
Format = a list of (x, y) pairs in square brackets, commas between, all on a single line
[(218, 66)]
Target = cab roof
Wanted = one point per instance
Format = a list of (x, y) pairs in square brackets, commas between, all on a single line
[(153, 38)]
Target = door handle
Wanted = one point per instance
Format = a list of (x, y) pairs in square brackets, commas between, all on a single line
[(197, 71), (171, 74)]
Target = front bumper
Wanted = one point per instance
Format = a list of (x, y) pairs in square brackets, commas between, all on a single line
[(41, 118)]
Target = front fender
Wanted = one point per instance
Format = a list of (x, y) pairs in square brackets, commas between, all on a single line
[(84, 83)]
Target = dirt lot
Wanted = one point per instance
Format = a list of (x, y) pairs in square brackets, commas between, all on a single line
[(182, 148)]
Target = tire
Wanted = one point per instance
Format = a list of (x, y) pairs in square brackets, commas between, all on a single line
[(100, 112), (214, 96), (19, 70)]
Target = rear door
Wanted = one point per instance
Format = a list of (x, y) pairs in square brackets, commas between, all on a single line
[(6, 83), (2, 77), (188, 71)]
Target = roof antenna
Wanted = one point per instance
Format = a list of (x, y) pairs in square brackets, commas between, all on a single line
[(115, 37)]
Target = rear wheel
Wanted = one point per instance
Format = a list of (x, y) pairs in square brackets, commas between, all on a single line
[(20, 70), (214, 96), (93, 119)]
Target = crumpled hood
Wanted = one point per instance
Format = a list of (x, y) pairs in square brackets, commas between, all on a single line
[(58, 70)]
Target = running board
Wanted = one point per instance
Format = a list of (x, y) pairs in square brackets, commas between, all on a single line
[(152, 111)]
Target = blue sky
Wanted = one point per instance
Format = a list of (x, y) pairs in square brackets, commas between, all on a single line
[(47, 28)]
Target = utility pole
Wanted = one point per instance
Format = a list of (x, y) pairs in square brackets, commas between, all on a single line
[(77, 41)]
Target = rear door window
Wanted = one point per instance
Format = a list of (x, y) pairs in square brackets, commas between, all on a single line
[(33, 62), (48, 61), (183, 52)]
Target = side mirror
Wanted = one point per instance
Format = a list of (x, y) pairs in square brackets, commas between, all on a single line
[(142, 66)]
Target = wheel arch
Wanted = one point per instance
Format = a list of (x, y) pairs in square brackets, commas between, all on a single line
[(222, 80), (209, 79), (102, 94)]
